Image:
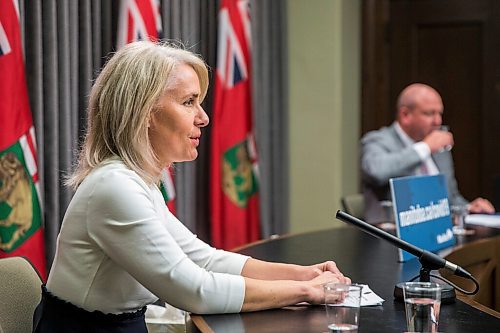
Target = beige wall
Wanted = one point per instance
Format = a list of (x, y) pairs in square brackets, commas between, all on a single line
[(324, 66)]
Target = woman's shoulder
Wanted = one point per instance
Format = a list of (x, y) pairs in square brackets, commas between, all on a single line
[(115, 174), (114, 188)]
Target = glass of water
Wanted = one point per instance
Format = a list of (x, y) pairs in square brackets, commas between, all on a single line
[(446, 128), (458, 214), (422, 305), (342, 302)]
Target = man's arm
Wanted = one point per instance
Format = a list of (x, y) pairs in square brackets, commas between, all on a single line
[(383, 157)]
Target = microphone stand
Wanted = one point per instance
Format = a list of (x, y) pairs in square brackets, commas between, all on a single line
[(428, 260), (448, 294)]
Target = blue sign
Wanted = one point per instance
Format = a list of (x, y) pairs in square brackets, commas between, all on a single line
[(422, 213)]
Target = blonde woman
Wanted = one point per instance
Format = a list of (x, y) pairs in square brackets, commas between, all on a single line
[(119, 247)]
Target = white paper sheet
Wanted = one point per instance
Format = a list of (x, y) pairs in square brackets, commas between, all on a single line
[(487, 220), (368, 298)]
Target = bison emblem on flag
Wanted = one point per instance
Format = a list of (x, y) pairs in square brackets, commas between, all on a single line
[(16, 202)]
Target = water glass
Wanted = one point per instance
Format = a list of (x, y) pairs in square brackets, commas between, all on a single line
[(458, 213), (422, 305), (388, 208), (446, 128), (342, 302)]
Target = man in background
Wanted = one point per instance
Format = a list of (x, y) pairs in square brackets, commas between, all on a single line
[(415, 144)]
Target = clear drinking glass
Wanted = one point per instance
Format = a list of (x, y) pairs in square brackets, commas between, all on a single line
[(458, 213), (388, 209), (446, 128), (422, 305), (342, 302)]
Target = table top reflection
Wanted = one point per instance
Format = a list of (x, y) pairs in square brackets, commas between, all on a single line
[(365, 259)]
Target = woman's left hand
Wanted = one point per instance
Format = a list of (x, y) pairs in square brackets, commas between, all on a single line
[(328, 266)]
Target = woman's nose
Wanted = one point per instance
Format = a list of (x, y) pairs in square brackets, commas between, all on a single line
[(202, 119)]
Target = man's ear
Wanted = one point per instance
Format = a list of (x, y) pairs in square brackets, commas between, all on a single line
[(404, 113)]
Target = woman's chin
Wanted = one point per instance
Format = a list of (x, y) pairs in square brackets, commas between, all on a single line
[(189, 158), (194, 155)]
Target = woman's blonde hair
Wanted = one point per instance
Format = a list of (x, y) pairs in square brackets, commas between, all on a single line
[(121, 100)]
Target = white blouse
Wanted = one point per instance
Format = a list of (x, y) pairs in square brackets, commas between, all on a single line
[(119, 249)]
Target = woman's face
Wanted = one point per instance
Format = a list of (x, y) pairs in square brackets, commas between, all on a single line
[(175, 124)]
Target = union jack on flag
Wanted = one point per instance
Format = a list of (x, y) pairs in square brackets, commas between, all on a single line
[(4, 42), (138, 20), (233, 55)]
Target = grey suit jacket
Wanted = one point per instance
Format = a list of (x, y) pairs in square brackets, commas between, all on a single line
[(384, 156)]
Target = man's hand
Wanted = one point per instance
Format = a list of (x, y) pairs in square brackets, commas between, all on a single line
[(438, 140), (481, 205)]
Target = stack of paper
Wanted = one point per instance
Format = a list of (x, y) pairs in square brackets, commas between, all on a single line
[(368, 298), (487, 220)]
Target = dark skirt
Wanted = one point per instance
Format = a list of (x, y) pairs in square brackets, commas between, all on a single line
[(55, 315)]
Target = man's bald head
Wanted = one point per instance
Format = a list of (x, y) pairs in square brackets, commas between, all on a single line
[(419, 110), (414, 93)]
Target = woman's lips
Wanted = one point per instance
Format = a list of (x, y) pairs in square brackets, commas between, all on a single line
[(195, 141)]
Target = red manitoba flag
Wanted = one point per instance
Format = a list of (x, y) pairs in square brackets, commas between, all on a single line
[(234, 188), (21, 232)]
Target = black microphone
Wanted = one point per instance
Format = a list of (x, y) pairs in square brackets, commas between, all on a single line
[(428, 259)]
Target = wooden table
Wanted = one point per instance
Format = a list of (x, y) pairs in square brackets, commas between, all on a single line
[(365, 259)]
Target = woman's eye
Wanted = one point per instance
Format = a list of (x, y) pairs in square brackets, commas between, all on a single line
[(189, 102)]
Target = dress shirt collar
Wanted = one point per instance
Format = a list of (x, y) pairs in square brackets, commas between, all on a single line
[(402, 135)]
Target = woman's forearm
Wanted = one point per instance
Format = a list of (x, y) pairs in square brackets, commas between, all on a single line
[(261, 295), (263, 270), (266, 294)]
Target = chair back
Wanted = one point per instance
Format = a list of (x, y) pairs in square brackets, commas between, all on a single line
[(20, 293), (482, 259), (354, 204)]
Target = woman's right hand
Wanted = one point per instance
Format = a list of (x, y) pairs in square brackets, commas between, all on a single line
[(317, 295)]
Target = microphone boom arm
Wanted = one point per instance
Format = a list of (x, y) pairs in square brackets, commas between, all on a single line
[(429, 260)]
